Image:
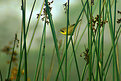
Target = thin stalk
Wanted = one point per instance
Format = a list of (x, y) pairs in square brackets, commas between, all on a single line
[(106, 11), (43, 64), (9, 70), (38, 69), (107, 68), (84, 71), (114, 16), (98, 52), (93, 57), (89, 39), (51, 66), (116, 66), (76, 34), (77, 45), (54, 35), (81, 37), (111, 55), (21, 50), (102, 45), (53, 60), (35, 28), (75, 60), (37, 66), (111, 49), (83, 6), (111, 31), (90, 47), (21, 56), (66, 41), (69, 41), (113, 43), (102, 37), (30, 17), (43, 55), (24, 27)]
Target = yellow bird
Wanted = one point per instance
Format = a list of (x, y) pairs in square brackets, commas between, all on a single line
[(70, 29)]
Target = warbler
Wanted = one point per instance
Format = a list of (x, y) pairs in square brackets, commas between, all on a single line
[(70, 29)]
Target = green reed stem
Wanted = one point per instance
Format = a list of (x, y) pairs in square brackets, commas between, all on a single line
[(18, 74), (83, 6), (54, 34), (36, 72), (43, 55), (70, 40), (84, 71), (102, 45), (108, 65), (98, 53), (38, 69), (21, 50), (114, 50), (21, 56), (106, 11), (90, 47), (75, 60), (30, 17), (35, 28), (24, 25), (66, 42), (114, 16), (89, 39), (77, 45), (51, 65), (111, 32), (80, 37), (107, 68), (116, 41), (11, 58)]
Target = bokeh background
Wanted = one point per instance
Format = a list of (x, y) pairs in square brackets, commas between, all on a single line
[(10, 23)]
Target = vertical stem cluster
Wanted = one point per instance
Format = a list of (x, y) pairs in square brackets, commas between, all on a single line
[(95, 43), (112, 31)]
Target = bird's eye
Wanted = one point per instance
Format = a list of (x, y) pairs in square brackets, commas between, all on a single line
[(62, 31)]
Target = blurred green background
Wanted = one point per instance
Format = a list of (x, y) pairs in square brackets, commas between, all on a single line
[(10, 23)]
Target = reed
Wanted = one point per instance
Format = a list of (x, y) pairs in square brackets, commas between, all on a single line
[(96, 67)]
